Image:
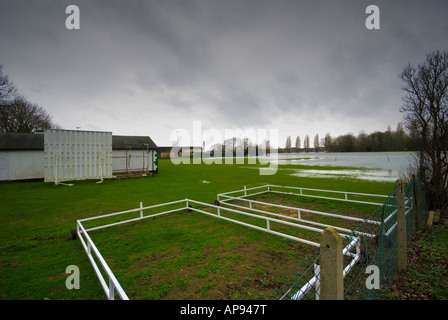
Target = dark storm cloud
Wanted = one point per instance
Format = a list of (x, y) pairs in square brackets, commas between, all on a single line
[(286, 64)]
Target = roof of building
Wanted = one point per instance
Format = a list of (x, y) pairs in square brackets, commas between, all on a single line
[(133, 142), (168, 149), (35, 141), (21, 141)]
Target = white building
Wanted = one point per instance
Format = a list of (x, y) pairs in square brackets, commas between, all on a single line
[(62, 155), (134, 154), (21, 156)]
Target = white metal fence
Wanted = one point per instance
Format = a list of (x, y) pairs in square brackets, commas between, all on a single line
[(269, 188), (314, 282), (303, 192), (112, 286)]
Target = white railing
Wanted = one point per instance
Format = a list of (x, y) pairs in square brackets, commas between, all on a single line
[(268, 220), (314, 282), (92, 251), (299, 210), (389, 217), (346, 194), (90, 248), (299, 213), (112, 286), (355, 243)]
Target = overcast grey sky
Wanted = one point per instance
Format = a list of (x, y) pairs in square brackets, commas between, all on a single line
[(151, 67)]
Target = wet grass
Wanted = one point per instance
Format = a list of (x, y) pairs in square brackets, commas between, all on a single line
[(223, 261), (427, 274), (186, 256)]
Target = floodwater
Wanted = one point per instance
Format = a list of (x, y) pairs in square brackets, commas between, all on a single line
[(381, 166)]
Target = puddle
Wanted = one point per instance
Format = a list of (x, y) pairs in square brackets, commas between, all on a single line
[(376, 175)]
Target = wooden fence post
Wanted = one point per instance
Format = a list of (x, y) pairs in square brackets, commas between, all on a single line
[(401, 227), (331, 266)]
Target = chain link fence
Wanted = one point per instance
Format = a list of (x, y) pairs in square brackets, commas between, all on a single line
[(379, 251)]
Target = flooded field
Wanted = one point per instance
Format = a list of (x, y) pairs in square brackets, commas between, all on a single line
[(381, 166)]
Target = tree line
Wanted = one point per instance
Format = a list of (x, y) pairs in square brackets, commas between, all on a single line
[(307, 147), (17, 114), (389, 140), (238, 146)]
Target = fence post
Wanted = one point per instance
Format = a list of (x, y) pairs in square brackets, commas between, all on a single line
[(331, 266), (401, 227), (141, 209), (416, 200)]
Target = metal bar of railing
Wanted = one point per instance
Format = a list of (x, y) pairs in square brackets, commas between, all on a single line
[(89, 246), (113, 282), (256, 216), (331, 191), (135, 219), (301, 219), (301, 209), (301, 189), (300, 294), (247, 195), (131, 210), (330, 198), (252, 188), (312, 243), (314, 281), (392, 228)]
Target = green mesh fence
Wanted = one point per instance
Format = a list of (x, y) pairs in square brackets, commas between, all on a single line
[(305, 284), (378, 247), (380, 250)]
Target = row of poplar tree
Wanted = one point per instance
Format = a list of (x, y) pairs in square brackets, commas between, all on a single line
[(389, 140)]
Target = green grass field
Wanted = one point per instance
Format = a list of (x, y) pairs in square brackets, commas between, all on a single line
[(180, 256)]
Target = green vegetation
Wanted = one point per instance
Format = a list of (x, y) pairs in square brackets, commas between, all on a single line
[(172, 255), (426, 277), (398, 140)]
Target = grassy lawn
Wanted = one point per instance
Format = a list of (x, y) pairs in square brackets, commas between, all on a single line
[(426, 277), (173, 257)]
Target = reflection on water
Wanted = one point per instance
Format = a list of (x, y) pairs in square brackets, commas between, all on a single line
[(372, 174), (383, 166)]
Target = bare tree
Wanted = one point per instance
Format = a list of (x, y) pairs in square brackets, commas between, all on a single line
[(263, 148), (425, 110), (16, 113), (306, 143), (288, 143), (328, 142), (298, 142), (20, 115), (7, 87), (316, 142)]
